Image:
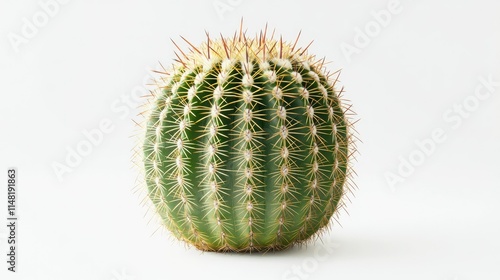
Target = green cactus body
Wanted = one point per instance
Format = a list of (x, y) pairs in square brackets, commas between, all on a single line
[(246, 146)]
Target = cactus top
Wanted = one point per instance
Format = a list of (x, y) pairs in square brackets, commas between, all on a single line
[(226, 52)]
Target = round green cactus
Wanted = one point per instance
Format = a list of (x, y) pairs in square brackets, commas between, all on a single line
[(246, 145)]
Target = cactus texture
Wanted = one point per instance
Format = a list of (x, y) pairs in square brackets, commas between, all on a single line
[(246, 145)]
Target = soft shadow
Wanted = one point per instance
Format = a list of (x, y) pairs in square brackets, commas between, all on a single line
[(348, 247)]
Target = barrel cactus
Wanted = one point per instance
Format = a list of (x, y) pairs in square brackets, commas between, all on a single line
[(246, 145)]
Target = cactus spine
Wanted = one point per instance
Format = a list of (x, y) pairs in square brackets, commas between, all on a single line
[(246, 145)]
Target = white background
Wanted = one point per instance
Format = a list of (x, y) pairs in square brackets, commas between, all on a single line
[(441, 223)]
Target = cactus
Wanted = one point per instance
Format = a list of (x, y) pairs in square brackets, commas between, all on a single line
[(246, 145)]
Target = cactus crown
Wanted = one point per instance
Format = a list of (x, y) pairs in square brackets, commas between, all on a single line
[(246, 145)]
